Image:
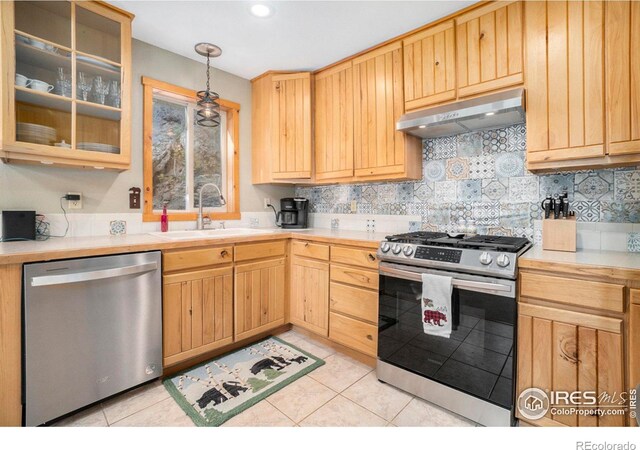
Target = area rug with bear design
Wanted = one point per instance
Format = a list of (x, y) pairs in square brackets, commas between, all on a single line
[(215, 391)]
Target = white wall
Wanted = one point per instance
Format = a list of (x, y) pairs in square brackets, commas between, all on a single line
[(40, 188)]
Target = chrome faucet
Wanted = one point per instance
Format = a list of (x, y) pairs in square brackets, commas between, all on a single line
[(200, 223)]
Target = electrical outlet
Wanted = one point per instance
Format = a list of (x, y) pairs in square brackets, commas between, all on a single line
[(75, 204), (267, 202)]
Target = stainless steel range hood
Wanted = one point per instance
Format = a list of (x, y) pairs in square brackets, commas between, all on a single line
[(482, 113)]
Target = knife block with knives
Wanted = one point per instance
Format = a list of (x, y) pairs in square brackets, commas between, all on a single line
[(559, 229)]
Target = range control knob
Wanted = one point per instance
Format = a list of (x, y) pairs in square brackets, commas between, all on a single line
[(407, 250), (396, 249), (385, 247), (503, 260), (485, 258)]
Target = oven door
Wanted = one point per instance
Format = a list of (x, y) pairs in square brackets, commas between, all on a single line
[(478, 357)]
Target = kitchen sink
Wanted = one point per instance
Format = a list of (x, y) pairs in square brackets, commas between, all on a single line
[(209, 234)]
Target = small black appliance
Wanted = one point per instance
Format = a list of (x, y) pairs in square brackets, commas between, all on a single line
[(18, 225), (294, 213)]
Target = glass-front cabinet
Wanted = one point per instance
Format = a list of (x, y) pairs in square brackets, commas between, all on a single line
[(66, 83)]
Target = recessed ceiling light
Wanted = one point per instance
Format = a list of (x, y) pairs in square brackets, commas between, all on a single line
[(261, 10), (490, 114)]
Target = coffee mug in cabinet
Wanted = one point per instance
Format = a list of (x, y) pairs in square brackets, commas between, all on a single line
[(22, 81), (41, 86)]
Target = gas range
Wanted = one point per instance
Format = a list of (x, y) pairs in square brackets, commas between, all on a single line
[(479, 254)]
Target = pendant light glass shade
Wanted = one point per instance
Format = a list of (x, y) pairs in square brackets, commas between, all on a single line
[(208, 112)]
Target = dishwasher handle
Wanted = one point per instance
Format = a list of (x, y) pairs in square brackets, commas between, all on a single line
[(79, 277)]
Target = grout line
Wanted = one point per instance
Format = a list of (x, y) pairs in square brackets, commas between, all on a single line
[(413, 397), (136, 412)]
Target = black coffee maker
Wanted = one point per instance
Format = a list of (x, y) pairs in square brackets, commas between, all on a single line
[(294, 213)]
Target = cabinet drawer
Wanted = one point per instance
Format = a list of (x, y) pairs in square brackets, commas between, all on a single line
[(355, 256), (592, 294), (354, 276), (187, 259), (310, 250), (353, 301), (257, 251), (353, 333)]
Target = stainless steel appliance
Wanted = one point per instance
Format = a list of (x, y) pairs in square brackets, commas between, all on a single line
[(482, 113), (472, 372), (294, 213), (92, 328)]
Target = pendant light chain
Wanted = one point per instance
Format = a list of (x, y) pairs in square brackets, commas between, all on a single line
[(208, 57)]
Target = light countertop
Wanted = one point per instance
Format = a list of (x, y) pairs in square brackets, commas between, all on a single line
[(72, 247), (600, 258)]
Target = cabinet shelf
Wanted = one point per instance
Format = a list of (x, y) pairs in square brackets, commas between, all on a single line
[(44, 99), (97, 110)]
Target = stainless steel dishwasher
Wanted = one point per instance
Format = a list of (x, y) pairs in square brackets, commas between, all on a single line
[(92, 328)]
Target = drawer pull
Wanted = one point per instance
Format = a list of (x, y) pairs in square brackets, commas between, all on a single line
[(369, 337), (371, 257), (481, 35), (224, 253), (437, 63), (306, 244)]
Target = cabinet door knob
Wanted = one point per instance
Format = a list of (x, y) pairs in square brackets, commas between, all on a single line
[(437, 63), (481, 35), (224, 253), (306, 244), (371, 257), (369, 337)]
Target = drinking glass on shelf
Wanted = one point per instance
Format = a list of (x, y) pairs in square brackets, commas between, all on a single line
[(63, 83), (114, 93), (101, 89), (84, 85)]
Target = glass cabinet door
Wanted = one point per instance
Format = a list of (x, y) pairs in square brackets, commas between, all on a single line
[(98, 82), (69, 79)]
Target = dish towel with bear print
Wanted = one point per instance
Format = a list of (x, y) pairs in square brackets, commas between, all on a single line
[(436, 304)]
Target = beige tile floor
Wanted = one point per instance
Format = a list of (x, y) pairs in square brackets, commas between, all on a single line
[(343, 392)]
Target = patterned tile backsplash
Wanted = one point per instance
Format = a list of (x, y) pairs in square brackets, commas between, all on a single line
[(481, 176)]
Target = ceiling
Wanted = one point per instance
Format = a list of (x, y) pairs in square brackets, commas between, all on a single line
[(300, 35)]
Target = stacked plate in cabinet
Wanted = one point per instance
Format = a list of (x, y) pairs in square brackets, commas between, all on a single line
[(97, 147), (34, 133)]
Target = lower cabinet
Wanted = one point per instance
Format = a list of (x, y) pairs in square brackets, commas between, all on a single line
[(309, 306), (197, 313), (563, 350), (259, 297)]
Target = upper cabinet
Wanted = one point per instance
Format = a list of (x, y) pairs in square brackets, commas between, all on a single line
[(66, 84), (281, 127), (334, 122), (565, 80), (489, 48), (622, 40), (430, 66), (381, 152)]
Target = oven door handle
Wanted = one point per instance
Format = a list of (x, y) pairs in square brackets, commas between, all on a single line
[(462, 284)]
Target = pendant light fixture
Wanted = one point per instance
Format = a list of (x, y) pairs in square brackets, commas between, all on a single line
[(208, 113)]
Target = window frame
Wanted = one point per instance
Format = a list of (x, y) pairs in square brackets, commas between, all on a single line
[(232, 109)]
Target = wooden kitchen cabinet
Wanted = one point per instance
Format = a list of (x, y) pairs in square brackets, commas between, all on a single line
[(570, 351), (381, 152), (334, 123), (281, 147), (80, 112), (309, 305), (622, 74), (565, 81), (353, 298), (634, 339), (197, 313), (430, 66), (489, 48), (259, 297)]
